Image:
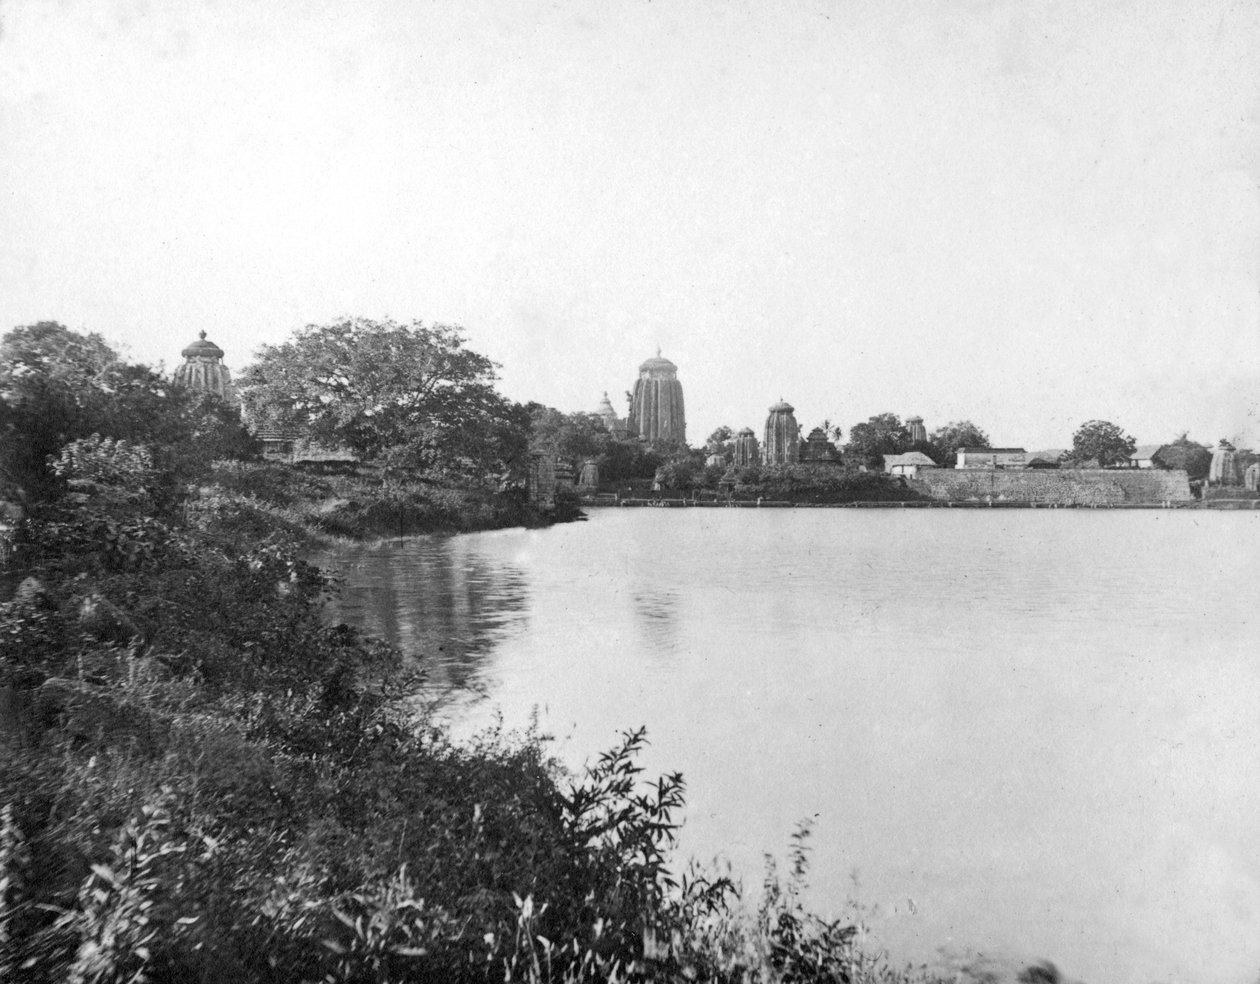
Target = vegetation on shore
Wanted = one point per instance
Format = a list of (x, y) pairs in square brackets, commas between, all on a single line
[(202, 780)]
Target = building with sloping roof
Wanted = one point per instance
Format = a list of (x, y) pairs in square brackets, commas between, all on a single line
[(1143, 456), (909, 463)]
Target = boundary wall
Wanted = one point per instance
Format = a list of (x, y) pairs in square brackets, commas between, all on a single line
[(1056, 487)]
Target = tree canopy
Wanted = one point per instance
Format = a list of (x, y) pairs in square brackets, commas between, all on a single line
[(59, 386), (945, 441), (1101, 441), (409, 394), (880, 435), (1193, 458)]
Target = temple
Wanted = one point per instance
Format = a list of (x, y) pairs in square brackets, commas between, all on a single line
[(616, 426), (746, 451), (817, 450), (203, 370), (918, 433), (781, 445), (656, 405)]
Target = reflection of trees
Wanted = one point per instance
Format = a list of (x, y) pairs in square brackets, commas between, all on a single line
[(437, 599)]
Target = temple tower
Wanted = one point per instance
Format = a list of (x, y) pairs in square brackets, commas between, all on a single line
[(204, 371), (781, 445), (656, 406), (746, 448), (589, 477), (1224, 467), (917, 431), (817, 450), (616, 426)]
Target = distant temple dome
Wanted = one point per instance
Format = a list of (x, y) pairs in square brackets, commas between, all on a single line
[(203, 371), (657, 413), (202, 348), (781, 445), (616, 426), (918, 433), (657, 362)]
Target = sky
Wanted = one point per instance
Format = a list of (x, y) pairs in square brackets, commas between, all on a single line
[(1026, 214)]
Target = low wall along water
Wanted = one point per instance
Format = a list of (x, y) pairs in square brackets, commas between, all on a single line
[(1067, 487)]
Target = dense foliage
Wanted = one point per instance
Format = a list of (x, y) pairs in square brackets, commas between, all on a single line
[(413, 396), (885, 434), (57, 386), (819, 485), (1101, 443), (578, 437)]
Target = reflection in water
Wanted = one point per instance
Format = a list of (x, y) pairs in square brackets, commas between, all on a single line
[(438, 600), (1040, 726), (656, 610)]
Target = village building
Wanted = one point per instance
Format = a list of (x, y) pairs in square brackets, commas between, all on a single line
[(992, 458), (1143, 456), (909, 464)]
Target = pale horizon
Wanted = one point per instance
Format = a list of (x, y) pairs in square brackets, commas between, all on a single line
[(1027, 216)]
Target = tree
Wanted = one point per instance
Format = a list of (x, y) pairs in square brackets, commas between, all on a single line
[(1101, 441), (721, 441), (881, 435), (1190, 456), (408, 393), (945, 441), (58, 386)]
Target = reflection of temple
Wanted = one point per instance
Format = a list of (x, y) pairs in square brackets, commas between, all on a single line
[(782, 436), (203, 370), (656, 406)]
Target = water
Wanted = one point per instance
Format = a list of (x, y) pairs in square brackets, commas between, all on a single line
[(1030, 733)]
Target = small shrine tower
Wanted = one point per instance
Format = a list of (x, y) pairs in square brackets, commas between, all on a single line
[(203, 370), (782, 442), (746, 452)]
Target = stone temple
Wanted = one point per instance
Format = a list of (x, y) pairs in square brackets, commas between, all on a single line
[(918, 433), (656, 405), (781, 445), (746, 452), (203, 370)]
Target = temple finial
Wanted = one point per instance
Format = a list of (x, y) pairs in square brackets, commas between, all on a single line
[(658, 351), (202, 333)]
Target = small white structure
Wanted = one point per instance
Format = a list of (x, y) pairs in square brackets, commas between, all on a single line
[(992, 458), (1143, 456), (909, 464)]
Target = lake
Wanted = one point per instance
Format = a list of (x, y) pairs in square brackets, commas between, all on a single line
[(1032, 733)]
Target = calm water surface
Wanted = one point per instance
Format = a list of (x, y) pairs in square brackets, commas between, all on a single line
[(1032, 733)]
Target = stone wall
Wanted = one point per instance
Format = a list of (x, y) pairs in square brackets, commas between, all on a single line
[(1065, 487)]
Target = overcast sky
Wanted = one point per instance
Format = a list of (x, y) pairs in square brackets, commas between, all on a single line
[(1028, 214)]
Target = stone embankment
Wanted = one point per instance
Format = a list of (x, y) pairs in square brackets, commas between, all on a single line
[(1067, 487)]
